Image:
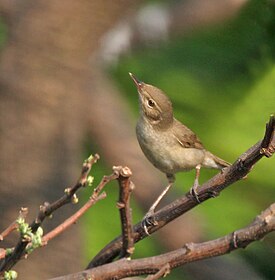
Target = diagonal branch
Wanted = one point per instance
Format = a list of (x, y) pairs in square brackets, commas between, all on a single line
[(95, 197), (260, 227), (241, 167), (71, 220)]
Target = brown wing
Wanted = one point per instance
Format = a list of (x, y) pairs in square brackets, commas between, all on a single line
[(185, 136)]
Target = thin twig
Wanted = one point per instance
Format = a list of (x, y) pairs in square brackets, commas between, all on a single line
[(14, 225), (96, 196), (103, 182), (72, 220), (260, 227), (210, 189), (125, 189), (46, 210)]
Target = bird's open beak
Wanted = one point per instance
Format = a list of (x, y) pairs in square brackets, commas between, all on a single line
[(137, 82)]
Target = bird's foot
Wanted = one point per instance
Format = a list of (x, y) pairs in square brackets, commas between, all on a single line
[(193, 192), (213, 193), (148, 221)]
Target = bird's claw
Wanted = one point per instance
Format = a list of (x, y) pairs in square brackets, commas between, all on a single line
[(194, 194), (148, 221)]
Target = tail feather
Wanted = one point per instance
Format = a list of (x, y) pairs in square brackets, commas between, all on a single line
[(212, 161)]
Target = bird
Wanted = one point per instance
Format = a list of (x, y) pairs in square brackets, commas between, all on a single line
[(167, 143)]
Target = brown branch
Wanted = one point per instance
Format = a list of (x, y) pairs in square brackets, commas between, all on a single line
[(14, 225), (95, 197), (72, 220), (125, 188), (105, 180), (261, 226), (46, 210), (211, 188)]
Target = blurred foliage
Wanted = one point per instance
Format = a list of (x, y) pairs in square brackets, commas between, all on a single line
[(221, 81)]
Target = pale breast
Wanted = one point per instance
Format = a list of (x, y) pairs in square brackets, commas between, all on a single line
[(164, 151)]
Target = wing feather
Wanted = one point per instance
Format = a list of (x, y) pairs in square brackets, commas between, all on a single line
[(185, 136)]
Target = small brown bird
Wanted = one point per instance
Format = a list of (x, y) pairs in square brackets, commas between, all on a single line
[(168, 144)]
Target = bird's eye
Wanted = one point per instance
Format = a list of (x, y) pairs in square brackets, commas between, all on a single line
[(151, 103)]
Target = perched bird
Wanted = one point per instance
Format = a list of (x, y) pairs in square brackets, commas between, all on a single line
[(167, 143)]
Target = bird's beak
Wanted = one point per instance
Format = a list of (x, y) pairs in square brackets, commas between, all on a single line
[(137, 82)]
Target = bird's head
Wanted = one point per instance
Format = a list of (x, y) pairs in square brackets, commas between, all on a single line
[(155, 106)]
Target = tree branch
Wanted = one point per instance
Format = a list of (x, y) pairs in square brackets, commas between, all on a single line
[(46, 210), (125, 188), (261, 226), (239, 169), (72, 220)]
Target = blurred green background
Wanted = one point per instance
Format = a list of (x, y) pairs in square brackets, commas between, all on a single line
[(221, 81)]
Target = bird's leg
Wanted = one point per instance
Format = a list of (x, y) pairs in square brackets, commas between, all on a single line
[(193, 190), (151, 211), (147, 219)]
